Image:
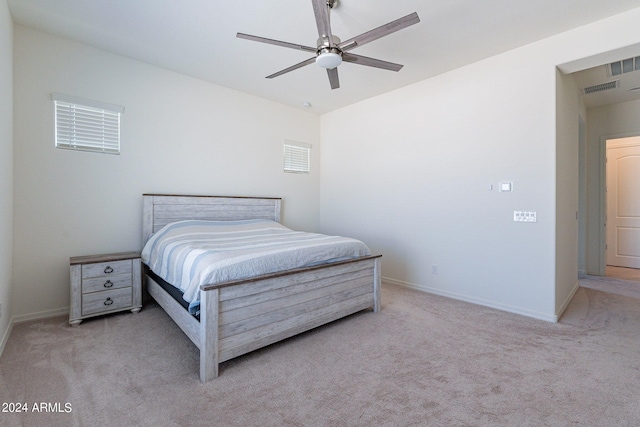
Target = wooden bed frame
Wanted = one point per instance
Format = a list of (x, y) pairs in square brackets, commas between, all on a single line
[(241, 316)]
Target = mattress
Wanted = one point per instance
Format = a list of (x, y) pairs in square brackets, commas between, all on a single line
[(189, 254), (171, 290)]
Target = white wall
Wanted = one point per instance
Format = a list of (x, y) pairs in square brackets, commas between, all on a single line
[(570, 110), (419, 193), (6, 167), (615, 120), (179, 135), (409, 172)]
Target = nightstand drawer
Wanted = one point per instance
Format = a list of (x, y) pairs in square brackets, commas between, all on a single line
[(106, 283), (106, 268), (100, 302)]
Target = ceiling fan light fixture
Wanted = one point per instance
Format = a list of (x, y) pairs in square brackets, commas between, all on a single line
[(329, 59)]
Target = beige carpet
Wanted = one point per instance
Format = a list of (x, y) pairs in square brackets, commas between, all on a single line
[(423, 361), (619, 280)]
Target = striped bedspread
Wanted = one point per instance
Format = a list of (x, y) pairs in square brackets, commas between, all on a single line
[(188, 254)]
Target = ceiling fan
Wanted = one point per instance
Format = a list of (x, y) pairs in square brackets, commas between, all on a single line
[(331, 51)]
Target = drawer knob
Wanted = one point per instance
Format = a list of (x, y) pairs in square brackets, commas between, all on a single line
[(108, 269), (108, 301), (108, 284)]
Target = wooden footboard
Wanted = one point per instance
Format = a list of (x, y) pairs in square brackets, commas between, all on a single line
[(242, 316)]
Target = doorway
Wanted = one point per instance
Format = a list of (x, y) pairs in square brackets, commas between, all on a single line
[(622, 224)]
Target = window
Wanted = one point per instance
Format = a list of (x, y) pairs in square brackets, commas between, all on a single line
[(87, 125), (296, 156)]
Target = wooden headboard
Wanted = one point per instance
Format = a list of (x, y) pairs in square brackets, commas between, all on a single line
[(161, 209)]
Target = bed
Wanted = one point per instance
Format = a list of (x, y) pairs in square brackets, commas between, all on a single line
[(238, 316)]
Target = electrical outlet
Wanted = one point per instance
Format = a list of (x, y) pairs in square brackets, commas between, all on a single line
[(522, 216), (434, 269)]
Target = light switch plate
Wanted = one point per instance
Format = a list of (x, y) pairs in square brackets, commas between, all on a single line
[(506, 186)]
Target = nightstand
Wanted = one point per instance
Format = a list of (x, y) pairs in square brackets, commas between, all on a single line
[(102, 284)]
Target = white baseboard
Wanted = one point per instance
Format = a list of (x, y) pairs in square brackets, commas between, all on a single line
[(27, 317), (492, 304), (40, 315), (5, 337), (566, 302)]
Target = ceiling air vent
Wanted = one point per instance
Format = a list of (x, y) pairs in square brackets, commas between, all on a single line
[(601, 87), (625, 66)]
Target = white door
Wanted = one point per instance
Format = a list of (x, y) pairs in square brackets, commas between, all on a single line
[(623, 202)]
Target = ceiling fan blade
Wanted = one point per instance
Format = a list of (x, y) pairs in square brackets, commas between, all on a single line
[(276, 42), (293, 67), (379, 32), (333, 78), (370, 62), (321, 11)]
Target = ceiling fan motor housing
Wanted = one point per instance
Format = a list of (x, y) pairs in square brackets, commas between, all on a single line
[(324, 41)]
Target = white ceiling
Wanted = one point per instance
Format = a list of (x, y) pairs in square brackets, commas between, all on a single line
[(198, 37)]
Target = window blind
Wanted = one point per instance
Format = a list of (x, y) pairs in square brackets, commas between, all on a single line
[(297, 157), (87, 125)]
